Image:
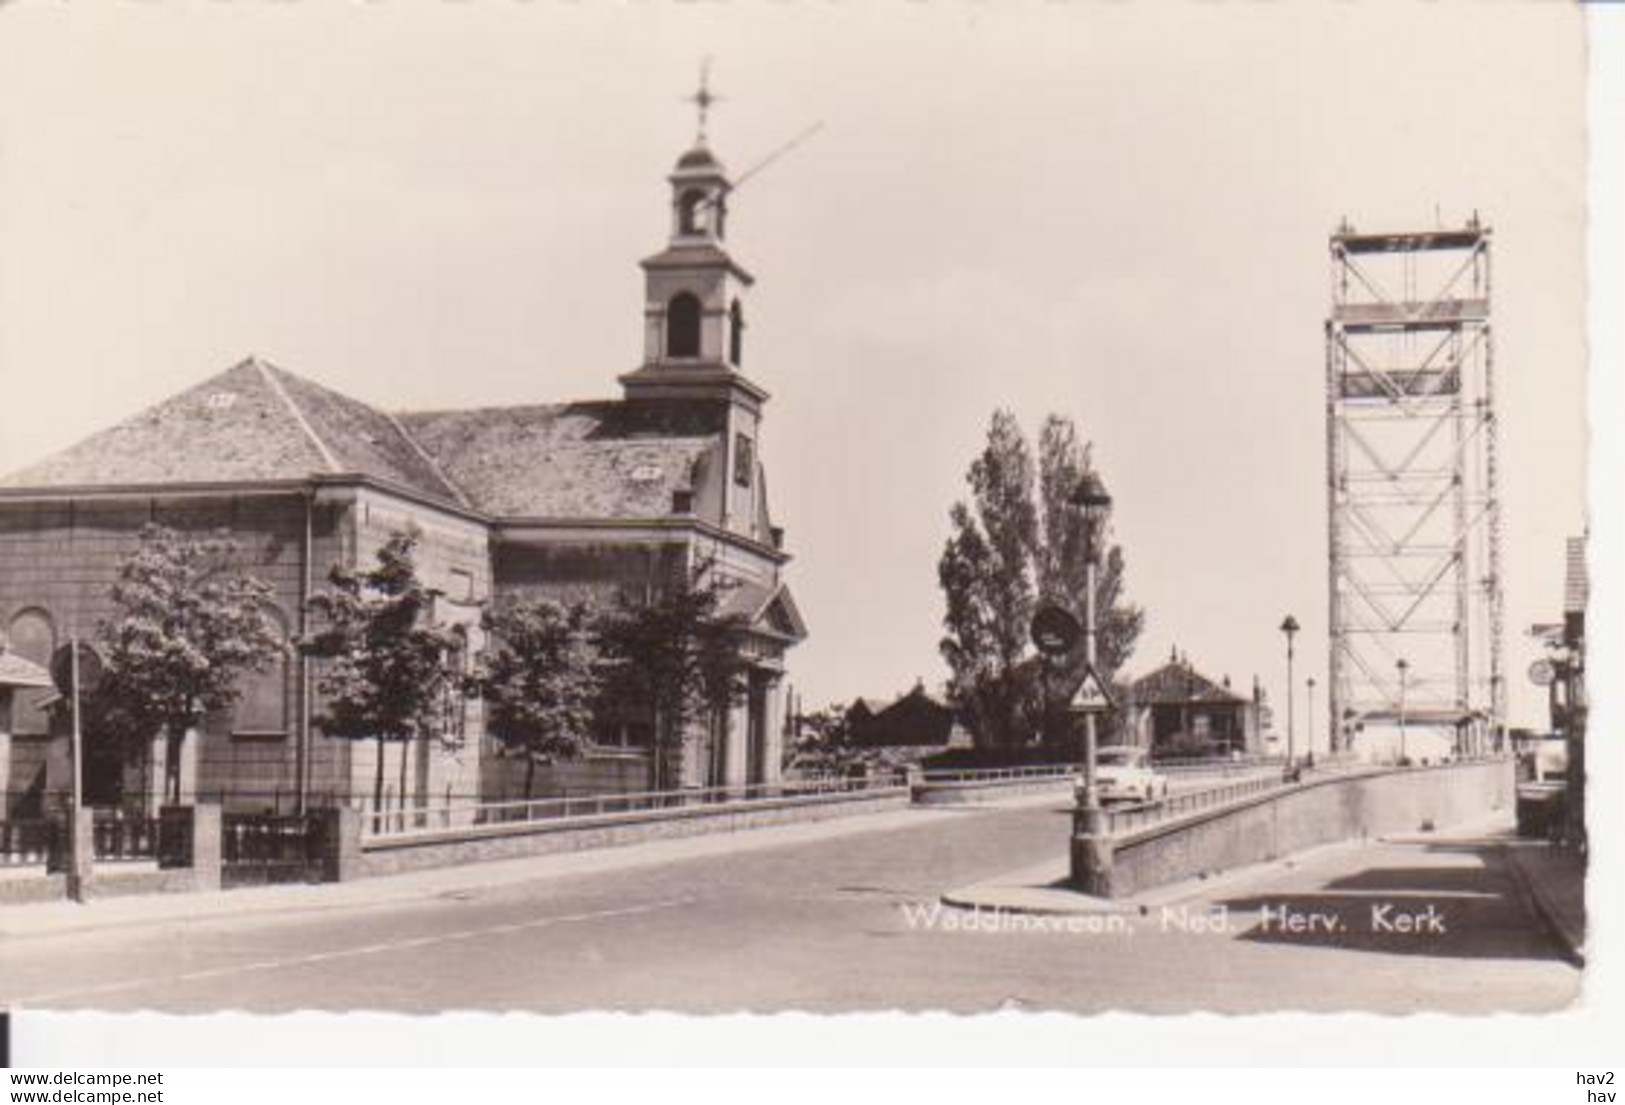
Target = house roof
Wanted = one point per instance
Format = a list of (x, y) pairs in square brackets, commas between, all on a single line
[(572, 460), (253, 422), (1177, 681)]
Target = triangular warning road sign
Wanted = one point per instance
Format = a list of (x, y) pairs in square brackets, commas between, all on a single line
[(1092, 696)]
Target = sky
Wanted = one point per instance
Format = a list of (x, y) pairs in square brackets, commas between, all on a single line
[(1114, 212)]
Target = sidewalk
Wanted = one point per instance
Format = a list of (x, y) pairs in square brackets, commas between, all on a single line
[(48, 919), (1555, 880), (1043, 890)]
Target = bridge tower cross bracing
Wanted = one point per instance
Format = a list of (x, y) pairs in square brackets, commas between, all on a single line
[(1414, 518)]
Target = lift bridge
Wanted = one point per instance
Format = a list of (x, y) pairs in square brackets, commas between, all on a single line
[(1411, 468)]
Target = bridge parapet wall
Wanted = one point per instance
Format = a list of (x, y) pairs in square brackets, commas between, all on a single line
[(1319, 810)]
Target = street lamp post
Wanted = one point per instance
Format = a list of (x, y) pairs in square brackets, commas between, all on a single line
[(1092, 848), (1289, 627), (1309, 737), (1404, 667)]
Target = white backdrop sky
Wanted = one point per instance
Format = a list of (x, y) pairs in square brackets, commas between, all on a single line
[(1117, 212)]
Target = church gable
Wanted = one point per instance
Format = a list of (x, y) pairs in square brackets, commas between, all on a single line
[(362, 439), (232, 427), (252, 423)]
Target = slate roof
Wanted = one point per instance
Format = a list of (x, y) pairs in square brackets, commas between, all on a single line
[(251, 423), (256, 422), (600, 460), (1179, 682)]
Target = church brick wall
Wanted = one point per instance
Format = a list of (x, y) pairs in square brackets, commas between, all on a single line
[(61, 557)]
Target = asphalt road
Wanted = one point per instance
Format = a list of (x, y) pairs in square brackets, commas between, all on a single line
[(847, 921)]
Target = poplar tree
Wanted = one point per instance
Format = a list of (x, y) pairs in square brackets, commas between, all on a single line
[(1019, 539)]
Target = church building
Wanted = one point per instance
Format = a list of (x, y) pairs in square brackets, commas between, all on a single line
[(563, 500)]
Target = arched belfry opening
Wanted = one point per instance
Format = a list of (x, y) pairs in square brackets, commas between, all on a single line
[(693, 212), (683, 326), (736, 334)]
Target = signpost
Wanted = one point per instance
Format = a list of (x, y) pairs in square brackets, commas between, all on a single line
[(76, 669)]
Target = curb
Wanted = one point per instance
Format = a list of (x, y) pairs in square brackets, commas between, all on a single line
[(1571, 943)]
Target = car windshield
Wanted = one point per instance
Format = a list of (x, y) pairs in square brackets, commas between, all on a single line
[(1117, 757)]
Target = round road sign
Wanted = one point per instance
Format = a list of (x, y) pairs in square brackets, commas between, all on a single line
[(1055, 631)]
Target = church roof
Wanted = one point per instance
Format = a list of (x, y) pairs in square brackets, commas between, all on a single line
[(251, 423), (699, 157), (598, 460), (256, 423)]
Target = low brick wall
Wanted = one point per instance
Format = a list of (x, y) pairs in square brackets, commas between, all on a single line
[(384, 856), (197, 869), (33, 885), (1320, 810), (929, 793)]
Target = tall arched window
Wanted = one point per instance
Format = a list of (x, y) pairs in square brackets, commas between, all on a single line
[(33, 637), (736, 334), (683, 326), (691, 212)]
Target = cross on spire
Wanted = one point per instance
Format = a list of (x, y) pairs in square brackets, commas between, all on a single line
[(704, 98)]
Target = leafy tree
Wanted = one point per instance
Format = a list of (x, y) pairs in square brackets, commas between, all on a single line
[(389, 669), (676, 657), (1019, 538), (821, 743), (187, 624), (540, 679)]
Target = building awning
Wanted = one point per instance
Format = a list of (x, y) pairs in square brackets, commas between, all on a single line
[(15, 671)]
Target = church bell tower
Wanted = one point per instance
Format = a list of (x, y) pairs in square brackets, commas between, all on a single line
[(694, 292)]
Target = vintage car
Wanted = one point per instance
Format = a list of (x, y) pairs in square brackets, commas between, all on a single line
[(1123, 774)]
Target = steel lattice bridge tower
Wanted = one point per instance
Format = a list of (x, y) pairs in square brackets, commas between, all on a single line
[(1414, 515)]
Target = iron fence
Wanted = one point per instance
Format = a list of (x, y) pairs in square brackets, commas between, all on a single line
[(118, 836), (26, 842), (262, 849)]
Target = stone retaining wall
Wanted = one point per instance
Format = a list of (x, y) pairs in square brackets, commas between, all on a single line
[(986, 790), (1320, 810), (384, 856)]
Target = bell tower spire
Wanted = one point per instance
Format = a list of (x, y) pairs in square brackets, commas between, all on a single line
[(702, 100), (694, 291)]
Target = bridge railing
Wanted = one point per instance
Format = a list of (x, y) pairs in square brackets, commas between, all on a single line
[(1122, 820), (396, 824), (1001, 774)]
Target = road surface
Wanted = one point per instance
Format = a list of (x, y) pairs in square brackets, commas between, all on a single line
[(841, 918)]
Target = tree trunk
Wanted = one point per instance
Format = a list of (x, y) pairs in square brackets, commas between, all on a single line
[(172, 765), (530, 775), (378, 779), (406, 747)]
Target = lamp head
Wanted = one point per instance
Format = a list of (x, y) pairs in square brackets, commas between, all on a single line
[(1290, 625), (1091, 496)]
